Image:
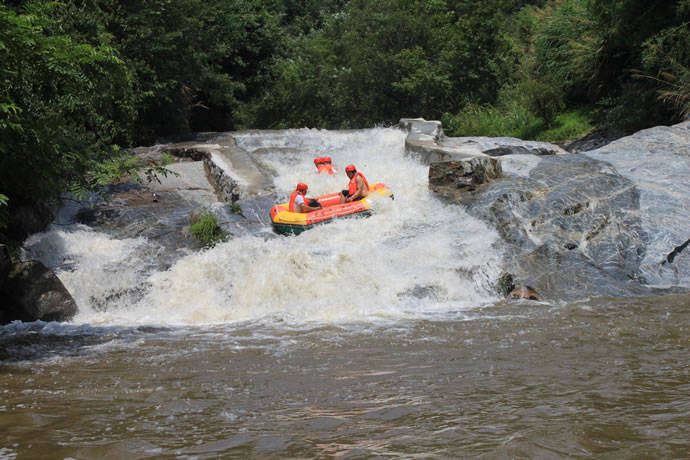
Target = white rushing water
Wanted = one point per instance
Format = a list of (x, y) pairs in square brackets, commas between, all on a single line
[(415, 257)]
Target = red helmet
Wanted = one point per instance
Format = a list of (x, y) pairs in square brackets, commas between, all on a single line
[(302, 187), (350, 168), (318, 161), (327, 159)]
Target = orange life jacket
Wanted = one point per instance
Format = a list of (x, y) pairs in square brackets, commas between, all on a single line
[(327, 168), (352, 188), (291, 206)]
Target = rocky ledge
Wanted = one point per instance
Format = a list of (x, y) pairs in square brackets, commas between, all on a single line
[(608, 222), (461, 164)]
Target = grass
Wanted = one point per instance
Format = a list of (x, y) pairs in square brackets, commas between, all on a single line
[(517, 121), (490, 121), (206, 230), (568, 125)]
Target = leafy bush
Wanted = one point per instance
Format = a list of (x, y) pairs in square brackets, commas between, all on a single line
[(205, 228), (568, 45), (543, 99), (592, 49), (63, 104)]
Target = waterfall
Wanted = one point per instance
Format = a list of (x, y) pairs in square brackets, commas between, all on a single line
[(415, 257)]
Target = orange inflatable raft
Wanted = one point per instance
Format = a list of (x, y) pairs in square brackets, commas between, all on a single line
[(286, 222)]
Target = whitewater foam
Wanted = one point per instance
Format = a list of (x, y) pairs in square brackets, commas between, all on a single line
[(414, 257)]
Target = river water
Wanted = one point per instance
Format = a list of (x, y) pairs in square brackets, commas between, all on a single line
[(378, 337)]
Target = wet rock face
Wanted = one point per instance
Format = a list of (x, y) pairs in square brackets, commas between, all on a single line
[(572, 224), (657, 162), (613, 221), (456, 177), (32, 292), (161, 216), (160, 211)]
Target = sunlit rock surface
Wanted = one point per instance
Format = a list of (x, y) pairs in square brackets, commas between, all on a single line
[(572, 225), (657, 162), (427, 142), (613, 221)]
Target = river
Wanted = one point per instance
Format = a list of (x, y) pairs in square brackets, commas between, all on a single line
[(378, 337)]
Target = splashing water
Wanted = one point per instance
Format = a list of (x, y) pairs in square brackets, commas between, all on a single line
[(414, 257)]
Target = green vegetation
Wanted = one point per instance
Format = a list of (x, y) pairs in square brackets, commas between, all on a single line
[(568, 125), (513, 120), (236, 209), (62, 105), (82, 81), (206, 230), (624, 63)]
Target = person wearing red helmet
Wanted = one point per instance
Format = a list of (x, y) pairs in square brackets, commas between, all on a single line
[(358, 187), (323, 164), (326, 166), (298, 200), (319, 163)]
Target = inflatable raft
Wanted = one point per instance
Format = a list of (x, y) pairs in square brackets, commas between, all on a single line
[(286, 222)]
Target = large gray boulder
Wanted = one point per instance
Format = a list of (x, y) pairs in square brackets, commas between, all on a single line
[(32, 292), (452, 169), (571, 225), (612, 222), (657, 162)]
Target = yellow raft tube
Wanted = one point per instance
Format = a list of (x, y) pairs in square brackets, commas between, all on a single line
[(286, 222)]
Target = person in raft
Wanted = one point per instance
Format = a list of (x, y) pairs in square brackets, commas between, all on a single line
[(327, 166), (297, 200), (358, 187), (323, 164)]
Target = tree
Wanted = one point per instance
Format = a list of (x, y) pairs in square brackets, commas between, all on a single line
[(377, 61), (62, 105)]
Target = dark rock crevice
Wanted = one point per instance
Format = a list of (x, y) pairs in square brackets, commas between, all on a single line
[(676, 251)]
